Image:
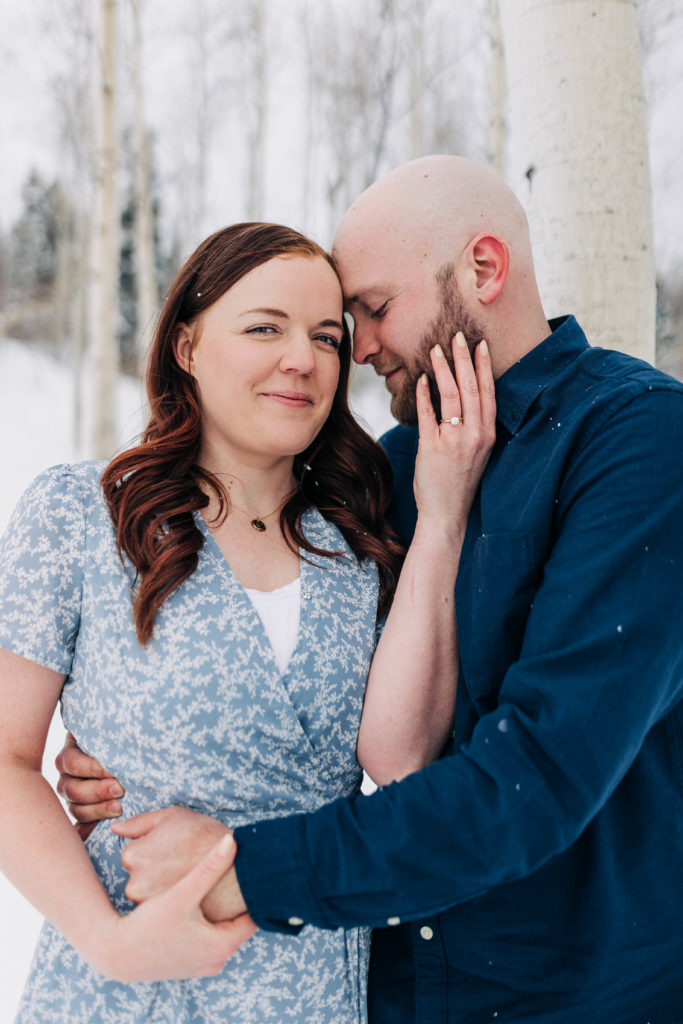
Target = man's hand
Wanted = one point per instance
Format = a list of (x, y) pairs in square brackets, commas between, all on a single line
[(91, 792), (165, 845), (169, 936)]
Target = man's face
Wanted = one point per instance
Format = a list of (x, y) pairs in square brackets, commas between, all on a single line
[(451, 316), (399, 314)]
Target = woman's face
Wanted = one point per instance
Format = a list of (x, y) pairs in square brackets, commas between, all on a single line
[(266, 362)]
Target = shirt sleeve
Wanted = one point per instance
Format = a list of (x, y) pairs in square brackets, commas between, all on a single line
[(41, 571), (601, 663)]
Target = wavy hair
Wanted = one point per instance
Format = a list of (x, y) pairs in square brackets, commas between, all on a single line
[(154, 489)]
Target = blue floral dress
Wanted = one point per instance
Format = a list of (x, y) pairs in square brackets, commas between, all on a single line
[(200, 717)]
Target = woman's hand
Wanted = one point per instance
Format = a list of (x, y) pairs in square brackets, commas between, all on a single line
[(410, 697), (452, 454), (168, 936)]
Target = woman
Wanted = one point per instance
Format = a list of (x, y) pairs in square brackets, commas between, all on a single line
[(213, 659)]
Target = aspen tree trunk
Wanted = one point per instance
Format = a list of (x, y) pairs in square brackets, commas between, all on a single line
[(255, 52), (497, 125), (80, 325), (579, 162), (105, 276), (147, 296), (417, 79), (310, 164), (198, 160)]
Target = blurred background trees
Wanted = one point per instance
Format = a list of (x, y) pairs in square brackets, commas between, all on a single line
[(154, 122)]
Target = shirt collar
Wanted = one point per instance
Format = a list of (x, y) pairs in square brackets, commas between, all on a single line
[(525, 380)]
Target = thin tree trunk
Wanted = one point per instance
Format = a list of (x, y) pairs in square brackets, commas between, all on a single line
[(497, 128), (255, 47), (417, 80), (105, 277), (80, 324), (147, 296), (579, 162)]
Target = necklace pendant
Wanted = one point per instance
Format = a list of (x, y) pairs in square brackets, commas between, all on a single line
[(259, 525)]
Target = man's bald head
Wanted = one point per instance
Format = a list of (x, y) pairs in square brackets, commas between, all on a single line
[(438, 245), (435, 204)]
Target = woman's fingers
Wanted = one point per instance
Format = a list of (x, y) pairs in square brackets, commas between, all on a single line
[(486, 386), (469, 395), (197, 883), (169, 936), (449, 392), (426, 418), (466, 380)]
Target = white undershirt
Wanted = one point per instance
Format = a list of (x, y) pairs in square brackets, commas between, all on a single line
[(279, 613)]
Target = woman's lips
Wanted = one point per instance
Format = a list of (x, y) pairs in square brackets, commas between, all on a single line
[(293, 399)]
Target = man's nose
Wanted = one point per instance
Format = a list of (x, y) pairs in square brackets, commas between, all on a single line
[(365, 344)]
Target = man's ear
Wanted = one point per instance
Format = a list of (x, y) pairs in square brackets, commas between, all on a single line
[(183, 344), (489, 258)]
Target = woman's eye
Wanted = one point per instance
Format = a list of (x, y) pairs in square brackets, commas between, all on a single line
[(331, 340), (260, 329), (378, 313)]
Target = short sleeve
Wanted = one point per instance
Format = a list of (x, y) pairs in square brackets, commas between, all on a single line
[(41, 571)]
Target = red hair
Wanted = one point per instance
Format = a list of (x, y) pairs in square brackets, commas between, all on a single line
[(153, 490)]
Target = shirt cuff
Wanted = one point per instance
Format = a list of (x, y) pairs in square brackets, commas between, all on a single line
[(274, 875)]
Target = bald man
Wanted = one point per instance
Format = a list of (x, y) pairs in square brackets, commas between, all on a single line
[(534, 872)]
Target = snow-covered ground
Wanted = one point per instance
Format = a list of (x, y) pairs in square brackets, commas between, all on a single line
[(36, 426)]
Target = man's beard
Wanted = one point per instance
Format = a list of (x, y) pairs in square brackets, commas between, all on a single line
[(450, 318)]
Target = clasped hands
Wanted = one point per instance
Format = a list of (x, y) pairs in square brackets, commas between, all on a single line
[(180, 872)]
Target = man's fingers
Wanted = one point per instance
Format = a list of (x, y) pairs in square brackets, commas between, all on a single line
[(140, 824), (198, 882), (72, 761), (237, 931), (90, 814), (88, 791), (84, 830)]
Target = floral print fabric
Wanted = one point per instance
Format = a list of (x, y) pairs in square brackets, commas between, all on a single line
[(200, 717)]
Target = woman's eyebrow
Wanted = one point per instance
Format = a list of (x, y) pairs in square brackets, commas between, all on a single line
[(285, 316), (269, 312)]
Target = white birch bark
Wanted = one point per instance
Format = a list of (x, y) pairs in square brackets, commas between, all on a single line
[(497, 120), (417, 79), (579, 162), (147, 297), (105, 271), (255, 53)]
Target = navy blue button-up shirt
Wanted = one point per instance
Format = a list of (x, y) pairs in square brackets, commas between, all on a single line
[(536, 869)]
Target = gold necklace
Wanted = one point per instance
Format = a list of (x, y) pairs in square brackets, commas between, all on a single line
[(257, 521)]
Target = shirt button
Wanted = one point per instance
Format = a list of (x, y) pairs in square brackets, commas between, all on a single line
[(295, 922), (426, 932), (393, 921)]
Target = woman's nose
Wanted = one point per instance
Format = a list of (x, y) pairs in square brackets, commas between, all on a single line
[(298, 355)]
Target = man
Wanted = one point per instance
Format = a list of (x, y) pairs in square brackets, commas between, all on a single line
[(533, 873)]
